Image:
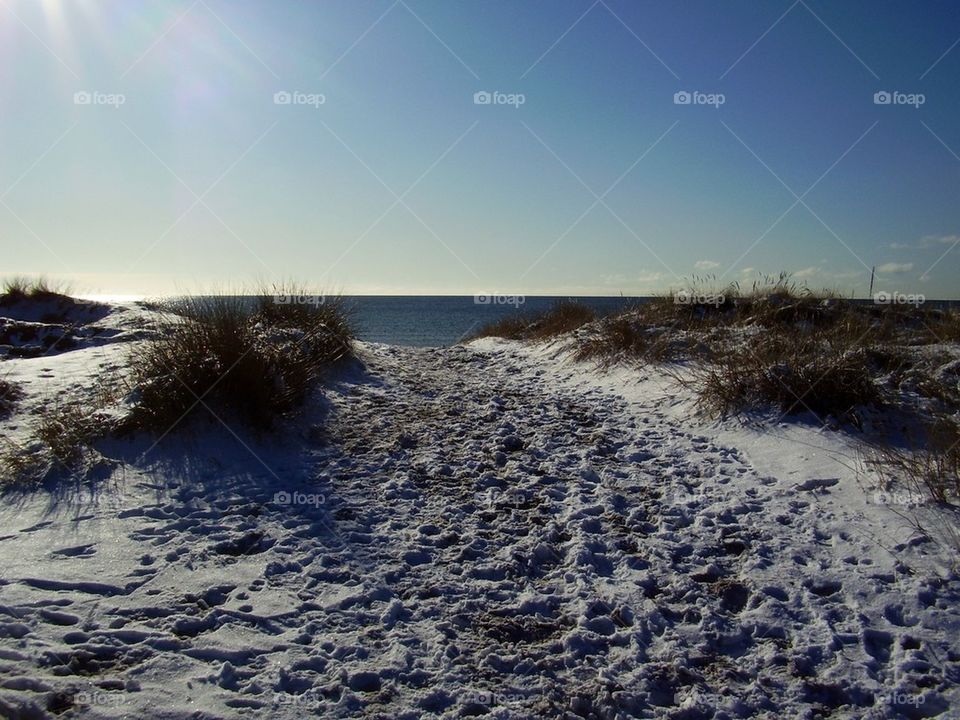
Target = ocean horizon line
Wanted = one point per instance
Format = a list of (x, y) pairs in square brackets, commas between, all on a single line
[(132, 297)]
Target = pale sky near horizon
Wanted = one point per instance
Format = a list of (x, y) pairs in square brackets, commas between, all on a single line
[(149, 148)]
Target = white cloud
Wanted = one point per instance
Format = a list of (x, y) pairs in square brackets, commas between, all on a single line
[(927, 241), (848, 275), (622, 280), (807, 272), (931, 240), (706, 265), (616, 279), (894, 268)]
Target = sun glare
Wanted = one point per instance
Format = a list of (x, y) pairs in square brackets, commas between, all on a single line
[(53, 10)]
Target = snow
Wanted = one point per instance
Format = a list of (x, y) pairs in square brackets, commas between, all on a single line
[(490, 530)]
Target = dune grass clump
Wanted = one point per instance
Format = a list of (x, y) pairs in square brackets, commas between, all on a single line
[(255, 358), (933, 465), (15, 289), (562, 317), (61, 437), (21, 466), (38, 300), (629, 339), (68, 430), (10, 394), (251, 358), (694, 321), (943, 326), (818, 372), (776, 344), (618, 339), (324, 319)]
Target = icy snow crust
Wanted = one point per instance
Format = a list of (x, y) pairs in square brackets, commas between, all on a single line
[(483, 530)]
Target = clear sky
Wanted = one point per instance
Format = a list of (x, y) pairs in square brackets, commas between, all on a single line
[(144, 147)]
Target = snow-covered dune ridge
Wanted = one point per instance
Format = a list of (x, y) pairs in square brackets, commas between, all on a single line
[(492, 529)]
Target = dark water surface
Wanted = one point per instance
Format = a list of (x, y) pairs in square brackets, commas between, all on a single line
[(432, 321)]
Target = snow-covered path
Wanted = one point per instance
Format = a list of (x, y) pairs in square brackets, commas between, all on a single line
[(482, 530)]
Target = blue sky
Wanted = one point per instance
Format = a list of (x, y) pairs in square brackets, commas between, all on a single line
[(145, 151)]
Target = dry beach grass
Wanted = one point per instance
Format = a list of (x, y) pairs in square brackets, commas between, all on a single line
[(564, 316), (255, 360)]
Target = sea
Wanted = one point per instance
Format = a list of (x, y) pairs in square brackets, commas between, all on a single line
[(440, 321)]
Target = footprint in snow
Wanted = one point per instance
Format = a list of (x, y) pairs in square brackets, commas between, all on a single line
[(78, 551), (815, 484)]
